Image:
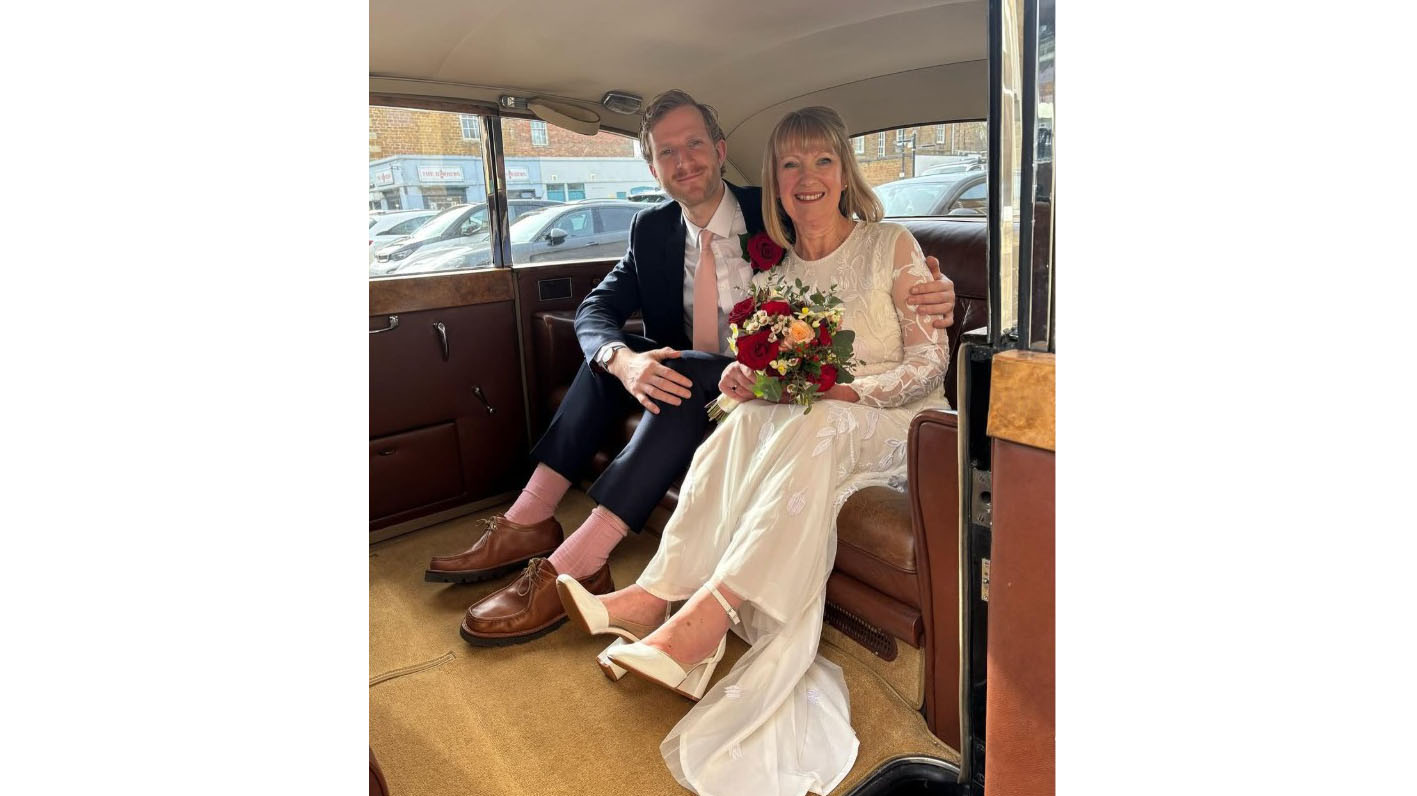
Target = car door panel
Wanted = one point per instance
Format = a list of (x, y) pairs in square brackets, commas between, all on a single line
[(446, 376)]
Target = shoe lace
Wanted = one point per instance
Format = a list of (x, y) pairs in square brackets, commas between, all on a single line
[(528, 576)]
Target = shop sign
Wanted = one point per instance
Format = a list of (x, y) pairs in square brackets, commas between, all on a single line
[(385, 177), (518, 174), (440, 173)]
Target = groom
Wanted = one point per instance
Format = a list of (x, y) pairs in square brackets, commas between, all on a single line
[(683, 272)]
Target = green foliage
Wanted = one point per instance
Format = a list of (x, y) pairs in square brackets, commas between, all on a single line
[(767, 388)]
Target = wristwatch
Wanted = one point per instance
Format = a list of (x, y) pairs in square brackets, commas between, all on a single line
[(606, 353)]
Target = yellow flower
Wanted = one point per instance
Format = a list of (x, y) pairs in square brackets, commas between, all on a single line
[(799, 332)]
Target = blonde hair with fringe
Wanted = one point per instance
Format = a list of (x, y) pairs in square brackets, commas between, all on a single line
[(809, 128)]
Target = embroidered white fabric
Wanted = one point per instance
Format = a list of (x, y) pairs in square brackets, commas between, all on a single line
[(757, 512)]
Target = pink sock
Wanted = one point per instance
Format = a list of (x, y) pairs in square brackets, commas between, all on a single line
[(538, 499), (587, 550)]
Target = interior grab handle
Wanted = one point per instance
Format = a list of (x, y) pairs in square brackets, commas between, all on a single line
[(442, 337), (393, 324)]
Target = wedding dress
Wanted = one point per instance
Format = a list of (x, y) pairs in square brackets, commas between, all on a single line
[(757, 512)]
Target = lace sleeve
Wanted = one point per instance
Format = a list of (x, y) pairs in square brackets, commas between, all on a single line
[(922, 368)]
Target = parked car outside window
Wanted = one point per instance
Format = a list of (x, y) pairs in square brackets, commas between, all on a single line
[(960, 194), (455, 223), (386, 228), (586, 230)]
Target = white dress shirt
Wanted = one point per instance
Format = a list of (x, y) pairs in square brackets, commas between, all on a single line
[(734, 273)]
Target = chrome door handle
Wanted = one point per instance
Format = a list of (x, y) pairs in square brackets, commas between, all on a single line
[(393, 324), (442, 337)]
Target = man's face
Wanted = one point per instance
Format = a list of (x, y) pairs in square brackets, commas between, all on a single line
[(685, 160)]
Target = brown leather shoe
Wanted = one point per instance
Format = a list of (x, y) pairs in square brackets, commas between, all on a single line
[(504, 547), (526, 608)]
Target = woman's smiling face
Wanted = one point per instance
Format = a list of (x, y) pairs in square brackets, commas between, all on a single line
[(809, 182)]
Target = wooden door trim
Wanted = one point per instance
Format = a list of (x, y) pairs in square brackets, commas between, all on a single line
[(431, 292)]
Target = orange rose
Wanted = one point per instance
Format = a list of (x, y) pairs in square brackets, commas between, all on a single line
[(799, 332)]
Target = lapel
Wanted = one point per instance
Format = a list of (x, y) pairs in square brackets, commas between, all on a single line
[(668, 300)]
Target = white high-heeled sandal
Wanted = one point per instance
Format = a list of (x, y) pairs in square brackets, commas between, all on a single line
[(587, 611), (651, 664), (613, 672)]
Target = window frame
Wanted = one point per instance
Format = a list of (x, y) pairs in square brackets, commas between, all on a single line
[(858, 144), (539, 126)]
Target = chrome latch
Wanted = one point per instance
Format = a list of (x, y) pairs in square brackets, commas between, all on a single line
[(984, 579), (981, 507)]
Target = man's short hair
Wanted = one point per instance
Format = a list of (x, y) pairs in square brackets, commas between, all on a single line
[(668, 101)]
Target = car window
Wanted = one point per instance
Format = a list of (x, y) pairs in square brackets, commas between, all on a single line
[(517, 210), (439, 224), (474, 223), (577, 224), (528, 227), (434, 160), (406, 227), (372, 222), (902, 164), (974, 200), (567, 167), (906, 199), (616, 219)]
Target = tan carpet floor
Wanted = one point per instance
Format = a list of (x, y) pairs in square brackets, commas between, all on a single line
[(539, 718)]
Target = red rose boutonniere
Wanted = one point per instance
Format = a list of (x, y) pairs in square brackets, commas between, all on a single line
[(761, 251)]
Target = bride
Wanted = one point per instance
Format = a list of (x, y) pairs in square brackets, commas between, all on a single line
[(753, 539)]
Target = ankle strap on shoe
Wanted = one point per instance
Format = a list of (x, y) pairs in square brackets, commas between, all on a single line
[(728, 609)]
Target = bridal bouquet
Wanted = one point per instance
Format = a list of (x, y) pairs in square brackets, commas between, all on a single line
[(792, 340)]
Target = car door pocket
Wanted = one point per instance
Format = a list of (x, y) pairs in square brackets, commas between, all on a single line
[(414, 469)]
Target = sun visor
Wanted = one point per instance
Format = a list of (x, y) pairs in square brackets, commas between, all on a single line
[(570, 117)]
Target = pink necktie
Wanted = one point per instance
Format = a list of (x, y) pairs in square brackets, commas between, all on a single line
[(706, 298)]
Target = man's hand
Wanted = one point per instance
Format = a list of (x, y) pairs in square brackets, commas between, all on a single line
[(646, 378), (935, 298), (737, 382)]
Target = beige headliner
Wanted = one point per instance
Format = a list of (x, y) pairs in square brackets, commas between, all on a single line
[(882, 63)]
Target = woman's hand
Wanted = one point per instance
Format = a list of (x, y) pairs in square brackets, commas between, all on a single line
[(841, 392), (737, 382)]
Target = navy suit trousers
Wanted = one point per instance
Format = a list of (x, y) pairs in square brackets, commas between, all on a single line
[(661, 448)]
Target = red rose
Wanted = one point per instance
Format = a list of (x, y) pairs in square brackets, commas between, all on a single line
[(763, 252), (828, 377), (756, 350), (741, 311), (777, 307), (824, 336)]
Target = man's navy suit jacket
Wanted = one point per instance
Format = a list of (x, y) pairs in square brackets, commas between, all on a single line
[(650, 279)]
